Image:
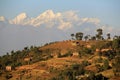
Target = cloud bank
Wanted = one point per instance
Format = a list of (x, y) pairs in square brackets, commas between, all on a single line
[(48, 26), (61, 20)]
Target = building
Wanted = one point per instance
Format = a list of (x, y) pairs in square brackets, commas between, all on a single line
[(88, 46), (97, 50), (75, 43), (9, 68), (27, 59), (75, 54)]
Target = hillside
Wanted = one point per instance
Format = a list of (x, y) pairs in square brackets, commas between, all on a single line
[(65, 60)]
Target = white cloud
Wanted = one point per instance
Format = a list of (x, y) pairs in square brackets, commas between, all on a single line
[(50, 19), (91, 20), (2, 18), (107, 28), (70, 16)]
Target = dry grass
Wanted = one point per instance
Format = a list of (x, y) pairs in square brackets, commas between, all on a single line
[(108, 73)]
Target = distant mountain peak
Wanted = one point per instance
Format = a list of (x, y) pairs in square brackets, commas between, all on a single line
[(19, 19)]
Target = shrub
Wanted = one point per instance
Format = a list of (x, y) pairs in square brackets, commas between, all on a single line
[(8, 76), (85, 63), (105, 64), (1, 72)]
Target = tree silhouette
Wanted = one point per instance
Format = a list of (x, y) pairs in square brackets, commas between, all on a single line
[(72, 35), (79, 36), (115, 37), (108, 36), (93, 38), (99, 35), (86, 37)]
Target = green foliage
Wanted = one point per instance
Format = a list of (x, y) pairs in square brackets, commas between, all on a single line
[(86, 37), (99, 67), (17, 57), (116, 43), (70, 73), (103, 44), (91, 75), (8, 76), (110, 54), (100, 77), (116, 66), (85, 63), (99, 60), (105, 64), (85, 50), (93, 38)]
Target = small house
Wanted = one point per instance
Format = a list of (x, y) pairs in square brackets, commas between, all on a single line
[(105, 50), (76, 54), (27, 59), (55, 55), (97, 50), (9, 68), (75, 43), (88, 46)]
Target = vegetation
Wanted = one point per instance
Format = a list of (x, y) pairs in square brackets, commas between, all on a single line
[(74, 59)]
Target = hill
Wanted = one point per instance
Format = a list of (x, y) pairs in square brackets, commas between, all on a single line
[(64, 60)]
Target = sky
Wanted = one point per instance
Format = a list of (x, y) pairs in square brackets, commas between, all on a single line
[(35, 22)]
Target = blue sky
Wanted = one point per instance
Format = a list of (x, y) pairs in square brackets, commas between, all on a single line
[(107, 10), (35, 22)]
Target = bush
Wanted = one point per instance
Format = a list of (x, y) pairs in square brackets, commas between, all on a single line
[(1, 72), (116, 66), (99, 68), (85, 50), (85, 63), (8, 76), (105, 64), (99, 60)]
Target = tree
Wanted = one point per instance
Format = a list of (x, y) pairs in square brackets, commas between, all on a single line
[(79, 35), (25, 48), (72, 35), (86, 37), (108, 36), (99, 35), (8, 76), (116, 43), (115, 37), (99, 31), (12, 52), (93, 38)]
